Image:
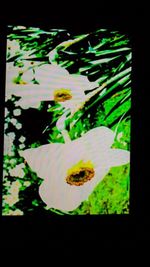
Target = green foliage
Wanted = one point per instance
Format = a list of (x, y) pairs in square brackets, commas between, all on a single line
[(111, 196)]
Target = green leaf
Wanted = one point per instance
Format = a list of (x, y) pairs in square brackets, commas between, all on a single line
[(119, 75), (103, 60), (110, 51), (118, 104)]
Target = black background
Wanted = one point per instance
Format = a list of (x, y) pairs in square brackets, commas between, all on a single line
[(108, 230)]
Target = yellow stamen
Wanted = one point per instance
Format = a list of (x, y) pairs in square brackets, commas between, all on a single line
[(80, 173), (61, 95)]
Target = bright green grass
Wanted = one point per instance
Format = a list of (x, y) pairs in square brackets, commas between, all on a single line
[(111, 195)]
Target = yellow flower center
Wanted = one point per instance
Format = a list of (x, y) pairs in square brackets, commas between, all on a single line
[(61, 95), (80, 173)]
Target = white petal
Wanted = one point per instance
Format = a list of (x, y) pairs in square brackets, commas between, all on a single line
[(58, 77), (56, 197), (27, 90), (98, 139), (117, 157), (12, 73), (28, 104), (42, 160), (28, 76), (64, 196), (77, 82), (83, 82), (31, 95), (50, 74)]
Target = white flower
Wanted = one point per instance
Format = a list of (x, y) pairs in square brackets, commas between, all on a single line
[(18, 171), (17, 112), (8, 143), (50, 74), (22, 139), (72, 170), (13, 121), (55, 83), (18, 125)]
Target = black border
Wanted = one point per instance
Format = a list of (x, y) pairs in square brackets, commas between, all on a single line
[(107, 228)]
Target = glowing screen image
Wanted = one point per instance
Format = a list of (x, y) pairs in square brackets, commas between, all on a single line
[(67, 122)]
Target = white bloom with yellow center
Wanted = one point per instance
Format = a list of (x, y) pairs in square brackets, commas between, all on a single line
[(71, 171), (55, 83)]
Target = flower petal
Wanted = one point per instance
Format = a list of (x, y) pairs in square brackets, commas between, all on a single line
[(28, 104), (117, 157), (67, 197), (12, 72), (83, 82), (98, 139), (49, 73), (58, 77), (42, 160), (31, 95)]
